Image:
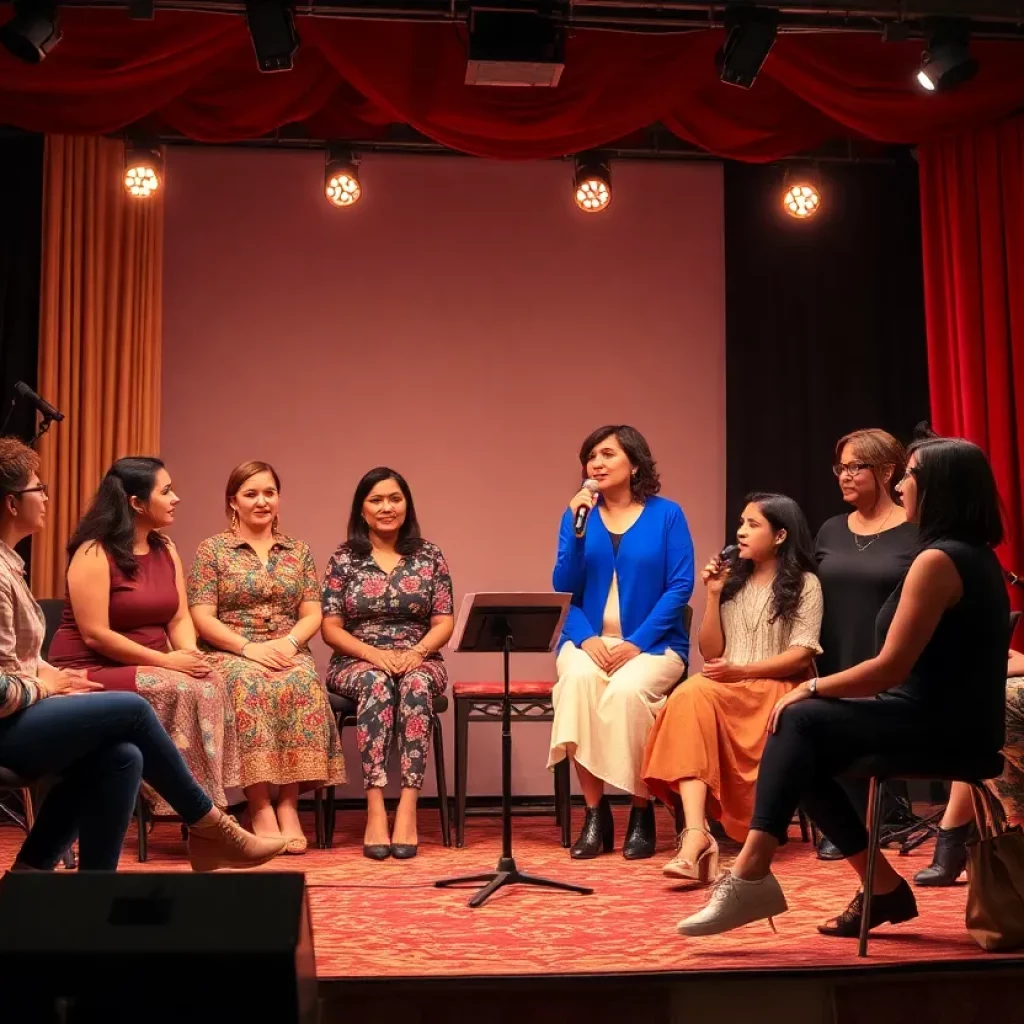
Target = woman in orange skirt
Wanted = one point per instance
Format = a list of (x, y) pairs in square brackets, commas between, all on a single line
[(759, 636)]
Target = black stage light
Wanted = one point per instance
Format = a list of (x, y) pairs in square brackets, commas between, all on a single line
[(272, 27), (33, 31), (143, 168), (946, 63), (750, 35), (341, 178), (592, 183)]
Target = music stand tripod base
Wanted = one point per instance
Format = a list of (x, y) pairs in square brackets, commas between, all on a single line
[(527, 623)]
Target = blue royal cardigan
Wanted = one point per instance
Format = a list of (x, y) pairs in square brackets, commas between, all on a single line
[(655, 573)]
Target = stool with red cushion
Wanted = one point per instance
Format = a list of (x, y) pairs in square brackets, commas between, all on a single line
[(481, 702)]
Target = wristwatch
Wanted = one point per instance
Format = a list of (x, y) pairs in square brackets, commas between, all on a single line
[(812, 687)]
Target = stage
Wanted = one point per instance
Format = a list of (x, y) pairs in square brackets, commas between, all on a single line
[(383, 931)]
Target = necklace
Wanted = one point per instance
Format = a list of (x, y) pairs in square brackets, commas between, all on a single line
[(873, 537), (760, 611)]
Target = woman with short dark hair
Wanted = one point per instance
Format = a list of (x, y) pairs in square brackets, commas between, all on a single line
[(937, 684), (862, 556), (387, 612), (624, 645)]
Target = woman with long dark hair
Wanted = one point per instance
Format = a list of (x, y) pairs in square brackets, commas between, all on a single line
[(387, 612), (98, 748), (126, 621), (624, 645), (937, 683), (759, 637)]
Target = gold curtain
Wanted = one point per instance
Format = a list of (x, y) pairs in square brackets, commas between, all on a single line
[(100, 332)]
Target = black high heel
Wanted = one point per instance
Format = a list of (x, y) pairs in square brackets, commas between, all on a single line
[(598, 834), (950, 857), (641, 837)]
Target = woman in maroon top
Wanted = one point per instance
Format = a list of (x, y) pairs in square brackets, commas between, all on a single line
[(126, 620)]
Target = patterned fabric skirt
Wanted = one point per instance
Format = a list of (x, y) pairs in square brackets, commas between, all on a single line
[(198, 717), (1009, 787), (286, 732)]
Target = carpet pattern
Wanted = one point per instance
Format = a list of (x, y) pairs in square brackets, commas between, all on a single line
[(387, 920)]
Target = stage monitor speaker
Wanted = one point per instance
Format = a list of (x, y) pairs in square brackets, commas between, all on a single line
[(152, 947)]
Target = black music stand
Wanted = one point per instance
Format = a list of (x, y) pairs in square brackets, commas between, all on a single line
[(528, 624)]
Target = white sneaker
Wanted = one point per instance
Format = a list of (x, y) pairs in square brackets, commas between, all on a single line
[(734, 902)]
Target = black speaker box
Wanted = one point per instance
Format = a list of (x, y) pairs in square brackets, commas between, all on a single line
[(150, 948)]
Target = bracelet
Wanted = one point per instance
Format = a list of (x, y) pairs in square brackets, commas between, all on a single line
[(812, 687), (292, 641), (241, 650)]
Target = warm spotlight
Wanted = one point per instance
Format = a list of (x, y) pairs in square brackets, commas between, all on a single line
[(143, 169), (341, 179), (592, 184), (272, 28), (33, 31), (750, 35), (801, 197), (947, 62)]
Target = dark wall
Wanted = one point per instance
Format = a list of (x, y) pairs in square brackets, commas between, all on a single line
[(21, 219), (21, 215), (824, 326)]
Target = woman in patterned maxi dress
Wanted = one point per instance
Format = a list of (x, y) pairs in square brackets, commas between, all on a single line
[(255, 600)]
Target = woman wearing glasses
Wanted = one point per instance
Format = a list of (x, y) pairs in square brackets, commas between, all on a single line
[(98, 749), (862, 556)]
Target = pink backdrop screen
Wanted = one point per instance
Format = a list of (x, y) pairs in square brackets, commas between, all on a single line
[(464, 324)]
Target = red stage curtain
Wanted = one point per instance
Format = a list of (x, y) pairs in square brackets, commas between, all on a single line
[(196, 73), (972, 207)]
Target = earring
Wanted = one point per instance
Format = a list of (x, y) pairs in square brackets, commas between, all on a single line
[(234, 520), (275, 526)]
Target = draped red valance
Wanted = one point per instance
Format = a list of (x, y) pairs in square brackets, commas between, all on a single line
[(196, 74)]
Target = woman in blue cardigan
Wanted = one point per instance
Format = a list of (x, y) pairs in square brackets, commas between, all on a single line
[(624, 646)]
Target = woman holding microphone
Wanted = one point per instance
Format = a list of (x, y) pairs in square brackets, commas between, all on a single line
[(624, 646)]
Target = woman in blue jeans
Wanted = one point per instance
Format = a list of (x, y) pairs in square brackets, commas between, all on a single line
[(99, 746)]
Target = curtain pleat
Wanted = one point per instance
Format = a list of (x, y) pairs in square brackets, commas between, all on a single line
[(99, 332)]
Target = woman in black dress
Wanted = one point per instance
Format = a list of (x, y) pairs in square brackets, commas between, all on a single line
[(862, 556), (927, 691)]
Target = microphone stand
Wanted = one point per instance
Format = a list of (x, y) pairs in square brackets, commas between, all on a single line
[(44, 425)]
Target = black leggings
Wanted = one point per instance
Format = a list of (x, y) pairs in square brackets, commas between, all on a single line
[(819, 739)]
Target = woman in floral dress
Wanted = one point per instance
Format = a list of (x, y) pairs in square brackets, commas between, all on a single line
[(126, 621), (387, 604), (255, 600)]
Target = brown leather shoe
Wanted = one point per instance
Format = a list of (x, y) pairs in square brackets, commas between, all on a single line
[(225, 844)]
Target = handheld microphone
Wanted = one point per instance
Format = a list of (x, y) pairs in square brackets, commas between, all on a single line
[(727, 556), (579, 524), (48, 411)]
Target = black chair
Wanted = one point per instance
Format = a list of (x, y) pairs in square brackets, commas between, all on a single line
[(344, 709), (879, 771), (10, 782)]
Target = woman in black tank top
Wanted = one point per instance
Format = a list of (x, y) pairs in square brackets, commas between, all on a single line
[(936, 684)]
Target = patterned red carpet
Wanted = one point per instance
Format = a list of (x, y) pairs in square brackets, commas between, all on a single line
[(387, 920)]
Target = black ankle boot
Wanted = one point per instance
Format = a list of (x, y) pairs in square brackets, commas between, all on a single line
[(598, 834), (950, 857), (640, 835)]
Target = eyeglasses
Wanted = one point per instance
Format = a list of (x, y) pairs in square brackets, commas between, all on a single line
[(910, 471), (853, 468), (40, 489)]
